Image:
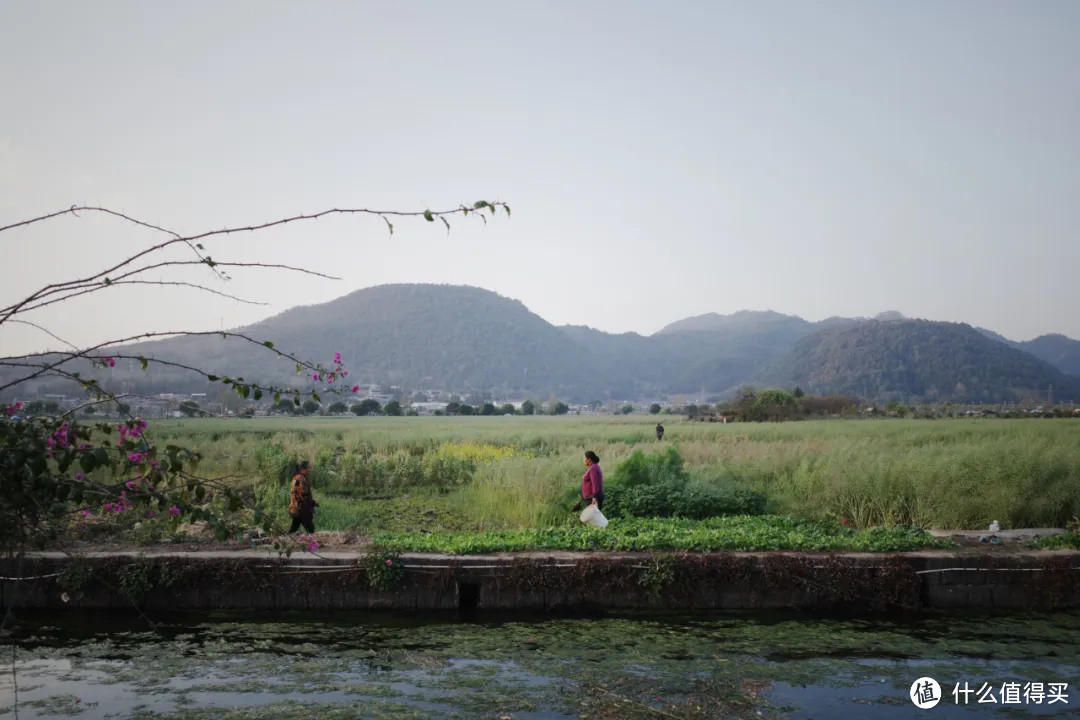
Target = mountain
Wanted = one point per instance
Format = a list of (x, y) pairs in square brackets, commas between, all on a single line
[(743, 321), (462, 339), (705, 354), (998, 337), (1060, 351), (916, 360), (417, 336)]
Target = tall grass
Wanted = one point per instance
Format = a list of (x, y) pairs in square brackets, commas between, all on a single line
[(518, 492), (939, 474)]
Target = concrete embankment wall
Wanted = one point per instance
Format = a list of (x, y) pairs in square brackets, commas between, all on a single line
[(547, 581)]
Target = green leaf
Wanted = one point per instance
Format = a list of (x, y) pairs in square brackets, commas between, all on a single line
[(277, 398), (507, 209), (108, 281), (198, 246), (144, 362), (269, 344), (428, 216), (446, 223), (212, 378), (200, 493), (315, 397), (258, 394)]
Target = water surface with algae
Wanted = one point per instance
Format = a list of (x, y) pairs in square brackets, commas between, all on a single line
[(622, 667)]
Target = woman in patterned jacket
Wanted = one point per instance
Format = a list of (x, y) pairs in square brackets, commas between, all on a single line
[(301, 504)]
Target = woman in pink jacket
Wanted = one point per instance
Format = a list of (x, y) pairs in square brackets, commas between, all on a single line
[(592, 482)]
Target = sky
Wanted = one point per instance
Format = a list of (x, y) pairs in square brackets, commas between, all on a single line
[(662, 159)]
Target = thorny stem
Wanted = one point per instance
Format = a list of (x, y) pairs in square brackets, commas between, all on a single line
[(192, 241)]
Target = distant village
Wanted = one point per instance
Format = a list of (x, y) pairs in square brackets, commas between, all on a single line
[(379, 399)]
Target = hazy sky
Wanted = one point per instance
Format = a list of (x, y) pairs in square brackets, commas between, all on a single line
[(663, 159)]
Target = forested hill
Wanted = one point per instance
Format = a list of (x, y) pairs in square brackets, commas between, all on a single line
[(463, 338), (916, 360)]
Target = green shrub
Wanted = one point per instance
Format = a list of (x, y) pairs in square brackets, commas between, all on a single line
[(75, 578), (369, 472), (658, 485), (135, 578), (384, 568), (273, 463), (1068, 540), (670, 499), (702, 501), (637, 534), (641, 469)]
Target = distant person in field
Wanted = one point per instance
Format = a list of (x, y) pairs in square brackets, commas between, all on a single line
[(659, 431), (301, 504), (592, 483)]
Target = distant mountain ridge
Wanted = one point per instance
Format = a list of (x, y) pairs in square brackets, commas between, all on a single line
[(1060, 351), (905, 359), (460, 339)]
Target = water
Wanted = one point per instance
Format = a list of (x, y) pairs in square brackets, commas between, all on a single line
[(361, 665)]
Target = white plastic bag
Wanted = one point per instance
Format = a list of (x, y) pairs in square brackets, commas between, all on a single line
[(591, 515)]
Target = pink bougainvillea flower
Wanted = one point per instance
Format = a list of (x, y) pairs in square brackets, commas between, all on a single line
[(151, 514), (356, 388), (174, 510), (314, 376), (312, 546), (330, 378), (79, 476), (389, 563), (337, 357), (18, 405), (84, 512)]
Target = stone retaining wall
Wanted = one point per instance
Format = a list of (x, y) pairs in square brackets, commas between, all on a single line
[(549, 582)]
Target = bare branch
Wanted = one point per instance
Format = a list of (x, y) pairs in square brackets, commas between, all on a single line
[(75, 210), (48, 332), (73, 290), (193, 240), (88, 354), (195, 286)]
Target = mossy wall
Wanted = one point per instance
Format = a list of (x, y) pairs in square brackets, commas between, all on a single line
[(904, 582)]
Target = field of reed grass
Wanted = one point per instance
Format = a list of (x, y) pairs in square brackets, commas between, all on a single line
[(377, 474)]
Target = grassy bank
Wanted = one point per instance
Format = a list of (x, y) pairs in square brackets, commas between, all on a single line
[(508, 473)]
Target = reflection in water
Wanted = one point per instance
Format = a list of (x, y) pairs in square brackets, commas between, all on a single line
[(349, 665)]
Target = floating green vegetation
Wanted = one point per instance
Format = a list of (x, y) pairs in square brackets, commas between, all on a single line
[(365, 665)]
